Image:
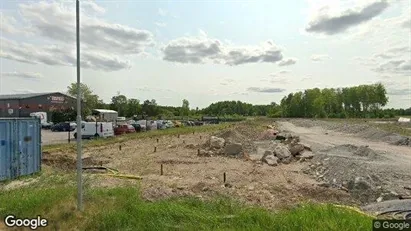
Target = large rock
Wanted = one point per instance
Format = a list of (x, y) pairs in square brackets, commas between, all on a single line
[(217, 142), (282, 152), (233, 149), (286, 160), (269, 158), (296, 149)]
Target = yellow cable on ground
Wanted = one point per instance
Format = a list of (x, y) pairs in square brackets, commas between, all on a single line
[(354, 209), (123, 176)]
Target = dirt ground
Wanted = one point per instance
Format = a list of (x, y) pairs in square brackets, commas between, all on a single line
[(343, 157), (49, 137), (340, 160)]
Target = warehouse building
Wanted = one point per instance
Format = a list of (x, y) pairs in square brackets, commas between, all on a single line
[(21, 105)]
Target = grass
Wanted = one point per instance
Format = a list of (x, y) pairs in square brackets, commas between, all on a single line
[(139, 135), (122, 208)]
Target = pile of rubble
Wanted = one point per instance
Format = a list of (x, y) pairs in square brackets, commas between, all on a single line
[(219, 146), (285, 149)]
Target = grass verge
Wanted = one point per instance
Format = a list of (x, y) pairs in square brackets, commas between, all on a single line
[(122, 208), (140, 135)]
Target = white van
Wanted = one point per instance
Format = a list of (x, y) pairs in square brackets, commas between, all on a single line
[(90, 130)]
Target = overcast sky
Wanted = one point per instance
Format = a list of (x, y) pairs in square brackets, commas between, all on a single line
[(207, 51)]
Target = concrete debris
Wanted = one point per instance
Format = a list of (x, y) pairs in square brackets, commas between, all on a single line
[(270, 159), (296, 149), (233, 149), (282, 152), (217, 142), (286, 160)]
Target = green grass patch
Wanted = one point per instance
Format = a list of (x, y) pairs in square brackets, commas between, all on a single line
[(139, 135), (123, 209)]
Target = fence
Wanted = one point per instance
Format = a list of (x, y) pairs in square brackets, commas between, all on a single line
[(20, 147)]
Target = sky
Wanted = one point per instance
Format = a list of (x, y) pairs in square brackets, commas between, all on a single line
[(206, 51)]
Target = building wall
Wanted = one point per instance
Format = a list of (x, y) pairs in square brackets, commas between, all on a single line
[(9, 108), (46, 103)]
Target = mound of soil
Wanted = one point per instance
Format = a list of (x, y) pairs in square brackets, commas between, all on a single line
[(68, 162)]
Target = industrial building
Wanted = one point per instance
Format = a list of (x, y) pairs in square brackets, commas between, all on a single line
[(21, 105)]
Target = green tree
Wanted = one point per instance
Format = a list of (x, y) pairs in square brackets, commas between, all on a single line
[(133, 107), (185, 108), (119, 104), (90, 100)]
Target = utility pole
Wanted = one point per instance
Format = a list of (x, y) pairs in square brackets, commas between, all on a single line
[(79, 127)]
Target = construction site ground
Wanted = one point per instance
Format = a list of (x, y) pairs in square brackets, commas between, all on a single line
[(338, 172)]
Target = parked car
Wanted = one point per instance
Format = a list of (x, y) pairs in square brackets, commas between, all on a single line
[(137, 127), (47, 125), (168, 124), (198, 123), (123, 129), (91, 130), (63, 127)]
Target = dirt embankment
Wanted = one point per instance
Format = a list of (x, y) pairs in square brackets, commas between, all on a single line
[(364, 130)]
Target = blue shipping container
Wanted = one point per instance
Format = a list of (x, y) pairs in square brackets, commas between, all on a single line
[(20, 147)]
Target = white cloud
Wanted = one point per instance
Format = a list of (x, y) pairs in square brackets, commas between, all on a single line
[(329, 23), (102, 42), (202, 49), (319, 57), (399, 66), (287, 62), (22, 75), (23, 91), (265, 90), (90, 4), (60, 55)]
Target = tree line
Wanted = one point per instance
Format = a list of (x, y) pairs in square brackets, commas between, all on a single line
[(363, 101)]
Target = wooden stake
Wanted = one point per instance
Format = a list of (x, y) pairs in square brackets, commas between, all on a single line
[(157, 140), (161, 170), (198, 151), (224, 176), (119, 147), (155, 149)]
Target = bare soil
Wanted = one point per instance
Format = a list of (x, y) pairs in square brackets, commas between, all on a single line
[(342, 157), (185, 173), (339, 158)]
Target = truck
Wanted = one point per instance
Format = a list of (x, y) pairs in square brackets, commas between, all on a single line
[(43, 119), (91, 130)]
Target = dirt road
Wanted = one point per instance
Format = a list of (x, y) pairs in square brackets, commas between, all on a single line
[(385, 168)]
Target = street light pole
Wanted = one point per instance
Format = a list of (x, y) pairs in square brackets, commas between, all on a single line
[(79, 151)]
